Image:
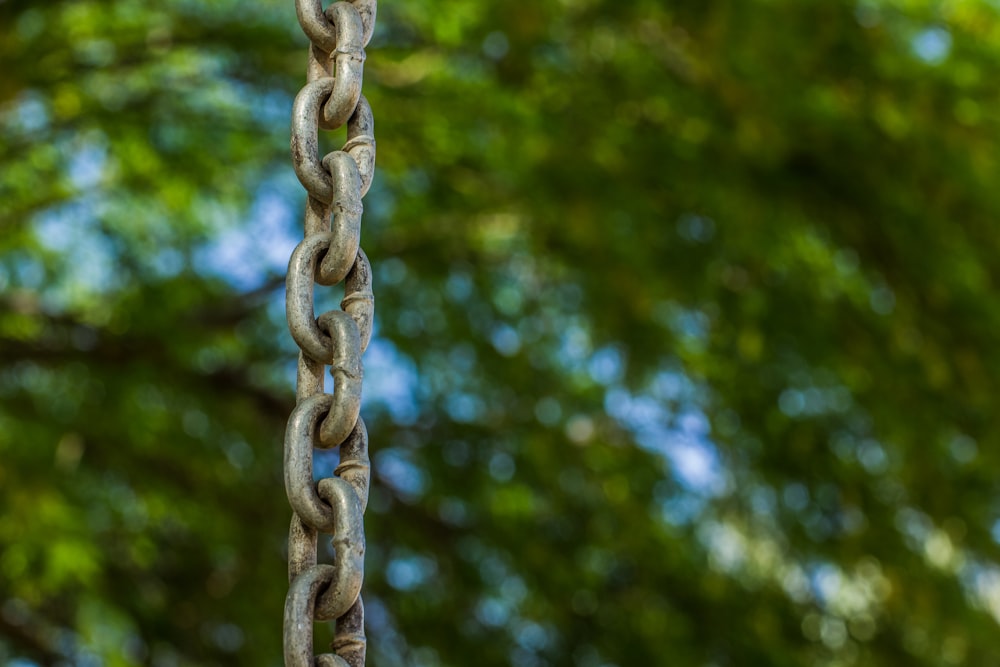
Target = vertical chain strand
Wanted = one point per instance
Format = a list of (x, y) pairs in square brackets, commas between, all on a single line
[(330, 253)]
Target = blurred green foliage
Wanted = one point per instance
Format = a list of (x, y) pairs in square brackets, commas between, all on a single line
[(685, 352)]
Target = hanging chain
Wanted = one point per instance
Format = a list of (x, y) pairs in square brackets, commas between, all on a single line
[(330, 253)]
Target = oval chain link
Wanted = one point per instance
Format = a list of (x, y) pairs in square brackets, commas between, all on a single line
[(329, 254)]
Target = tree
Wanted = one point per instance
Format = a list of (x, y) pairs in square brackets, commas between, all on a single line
[(684, 332)]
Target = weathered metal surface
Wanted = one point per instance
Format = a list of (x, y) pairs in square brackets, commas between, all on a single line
[(300, 614), (319, 27), (355, 466), (349, 638), (359, 301), (329, 254), (360, 142)]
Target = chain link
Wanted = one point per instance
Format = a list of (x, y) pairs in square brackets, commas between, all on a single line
[(330, 253)]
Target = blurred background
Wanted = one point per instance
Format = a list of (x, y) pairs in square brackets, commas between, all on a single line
[(686, 343)]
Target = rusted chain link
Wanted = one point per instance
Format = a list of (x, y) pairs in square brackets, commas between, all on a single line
[(330, 253)]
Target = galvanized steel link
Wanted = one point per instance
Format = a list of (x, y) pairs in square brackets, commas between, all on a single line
[(347, 372), (359, 301), (345, 62), (300, 614), (348, 541), (309, 168), (305, 328), (346, 218), (320, 506), (300, 605), (360, 143), (305, 139), (349, 638), (355, 466), (319, 28)]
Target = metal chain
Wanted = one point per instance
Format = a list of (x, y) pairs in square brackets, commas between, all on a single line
[(330, 253)]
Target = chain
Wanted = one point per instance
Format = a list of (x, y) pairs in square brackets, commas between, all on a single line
[(330, 253)]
